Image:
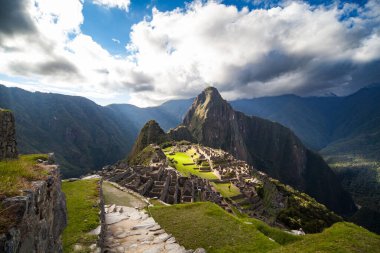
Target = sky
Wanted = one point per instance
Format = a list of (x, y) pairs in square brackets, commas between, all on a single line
[(145, 52)]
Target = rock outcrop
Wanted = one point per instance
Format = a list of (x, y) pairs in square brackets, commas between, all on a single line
[(149, 134), (38, 217), (266, 145), (8, 145)]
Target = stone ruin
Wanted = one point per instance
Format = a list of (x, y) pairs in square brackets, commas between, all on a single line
[(260, 196), (8, 145), (161, 182)]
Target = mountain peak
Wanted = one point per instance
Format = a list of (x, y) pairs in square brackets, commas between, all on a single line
[(211, 94), (151, 133)]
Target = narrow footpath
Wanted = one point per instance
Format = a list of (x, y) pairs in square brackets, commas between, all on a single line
[(129, 227)]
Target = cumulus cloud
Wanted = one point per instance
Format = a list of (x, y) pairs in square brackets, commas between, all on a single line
[(14, 18), (296, 48), (120, 4), (293, 48)]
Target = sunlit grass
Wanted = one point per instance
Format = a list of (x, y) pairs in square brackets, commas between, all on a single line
[(206, 225), (83, 213), (186, 170), (226, 189), (15, 174)]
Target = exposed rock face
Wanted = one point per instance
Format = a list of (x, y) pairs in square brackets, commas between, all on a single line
[(8, 146), (268, 146), (39, 217), (149, 134)]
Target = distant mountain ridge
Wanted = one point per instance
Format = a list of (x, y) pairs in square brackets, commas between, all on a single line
[(84, 136), (325, 123)]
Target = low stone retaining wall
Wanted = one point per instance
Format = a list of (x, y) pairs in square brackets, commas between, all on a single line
[(39, 217)]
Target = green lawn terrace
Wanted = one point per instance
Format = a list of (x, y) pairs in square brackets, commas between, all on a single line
[(207, 225), (186, 162), (82, 201), (247, 191)]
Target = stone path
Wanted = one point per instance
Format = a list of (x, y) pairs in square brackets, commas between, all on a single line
[(132, 230)]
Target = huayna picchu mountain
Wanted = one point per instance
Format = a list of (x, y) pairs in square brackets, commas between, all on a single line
[(268, 146)]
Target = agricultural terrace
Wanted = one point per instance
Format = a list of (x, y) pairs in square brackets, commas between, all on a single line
[(226, 189), (185, 164)]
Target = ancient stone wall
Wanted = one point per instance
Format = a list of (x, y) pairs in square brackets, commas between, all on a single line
[(38, 217), (8, 148)]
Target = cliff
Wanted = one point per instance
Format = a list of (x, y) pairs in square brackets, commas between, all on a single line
[(151, 133), (8, 145), (34, 220), (268, 146)]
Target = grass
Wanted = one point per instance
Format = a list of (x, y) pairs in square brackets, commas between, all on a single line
[(16, 174), (83, 213), (186, 170), (156, 202), (112, 195), (339, 238), (226, 192), (276, 234), (144, 157), (206, 225)]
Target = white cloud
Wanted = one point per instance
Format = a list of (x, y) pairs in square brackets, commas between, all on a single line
[(120, 4), (296, 48), (116, 40)]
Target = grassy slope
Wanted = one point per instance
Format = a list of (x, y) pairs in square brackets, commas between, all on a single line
[(16, 173), (225, 191), (142, 158), (182, 158), (207, 225), (83, 212), (341, 237)]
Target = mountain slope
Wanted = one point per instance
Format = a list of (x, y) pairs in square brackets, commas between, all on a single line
[(345, 130), (82, 134), (169, 114), (268, 146), (337, 125)]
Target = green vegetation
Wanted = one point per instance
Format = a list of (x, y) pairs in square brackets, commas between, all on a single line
[(181, 158), (225, 190), (206, 225), (302, 210), (83, 213), (143, 158), (112, 195), (16, 174), (341, 237), (156, 202), (276, 234), (151, 133)]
